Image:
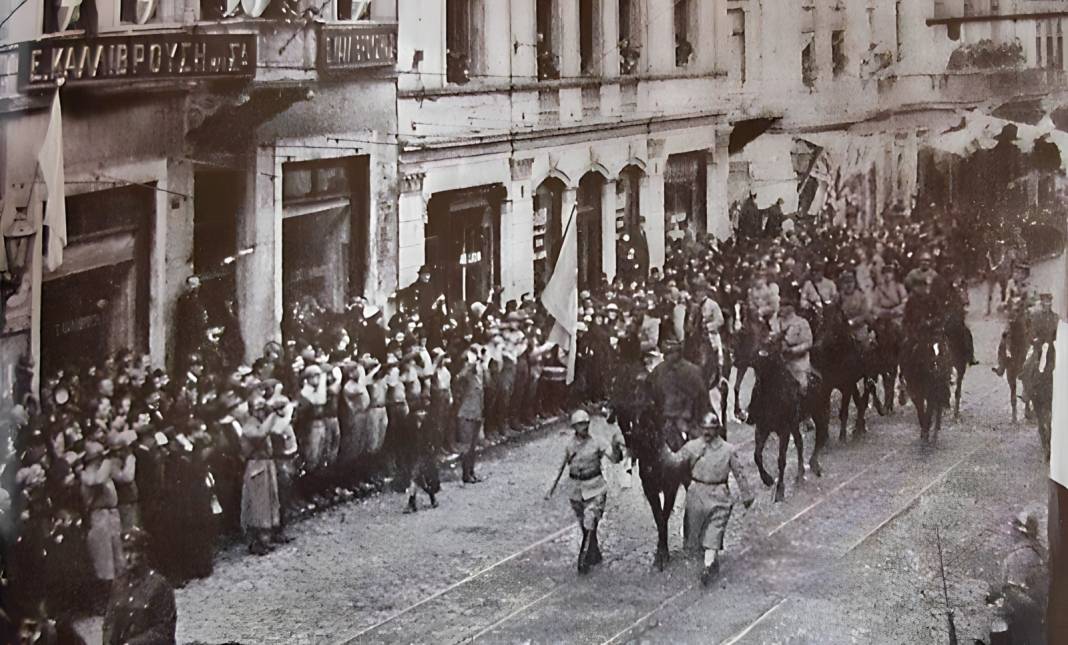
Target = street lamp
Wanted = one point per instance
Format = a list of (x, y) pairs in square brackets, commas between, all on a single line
[(18, 239)]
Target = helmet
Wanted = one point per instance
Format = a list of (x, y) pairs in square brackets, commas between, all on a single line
[(710, 420), (579, 417)]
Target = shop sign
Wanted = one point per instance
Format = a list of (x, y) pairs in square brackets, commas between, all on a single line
[(137, 57), (350, 47)]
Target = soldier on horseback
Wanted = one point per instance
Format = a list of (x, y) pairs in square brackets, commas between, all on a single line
[(679, 393), (1037, 372), (796, 336), (818, 292), (709, 461)]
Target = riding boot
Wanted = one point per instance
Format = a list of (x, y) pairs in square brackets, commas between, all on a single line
[(593, 552), (433, 500), (709, 573), (583, 565), (411, 507)]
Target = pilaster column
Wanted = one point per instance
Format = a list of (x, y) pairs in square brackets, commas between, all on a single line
[(259, 274), (567, 207), (822, 32), (608, 228), (517, 233), (570, 58), (651, 204), (659, 42), (916, 35), (175, 227), (609, 39), (497, 36), (411, 242), (525, 34), (717, 172), (719, 50), (857, 36)]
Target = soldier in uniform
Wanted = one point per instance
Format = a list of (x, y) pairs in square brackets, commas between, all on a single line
[(141, 609), (1038, 368), (679, 392), (819, 291), (588, 491), (796, 336), (709, 459), (857, 309), (924, 273)]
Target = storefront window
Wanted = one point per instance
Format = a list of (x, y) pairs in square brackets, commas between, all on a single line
[(684, 195), (548, 203), (324, 231), (96, 302), (463, 242)]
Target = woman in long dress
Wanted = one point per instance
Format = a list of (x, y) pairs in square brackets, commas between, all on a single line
[(259, 492)]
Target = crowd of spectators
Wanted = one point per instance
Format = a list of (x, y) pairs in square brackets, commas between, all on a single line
[(219, 447)]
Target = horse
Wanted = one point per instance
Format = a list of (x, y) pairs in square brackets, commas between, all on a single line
[(743, 343), (1015, 345), (1037, 380), (779, 412), (887, 353), (838, 359), (634, 410), (927, 368)]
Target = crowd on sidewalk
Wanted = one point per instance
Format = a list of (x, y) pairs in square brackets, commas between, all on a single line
[(221, 447)]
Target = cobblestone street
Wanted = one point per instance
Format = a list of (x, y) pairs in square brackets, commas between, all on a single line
[(849, 558)]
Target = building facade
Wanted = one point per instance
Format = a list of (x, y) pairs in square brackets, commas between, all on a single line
[(256, 151), (281, 149), (649, 119)]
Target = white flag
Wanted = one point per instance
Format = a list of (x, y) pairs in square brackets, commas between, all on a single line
[(561, 296), (50, 160), (1058, 462)]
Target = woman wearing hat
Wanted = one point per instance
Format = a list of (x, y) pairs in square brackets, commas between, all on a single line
[(260, 507), (101, 500)]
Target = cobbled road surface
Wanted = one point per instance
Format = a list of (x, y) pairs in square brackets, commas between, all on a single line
[(848, 558)]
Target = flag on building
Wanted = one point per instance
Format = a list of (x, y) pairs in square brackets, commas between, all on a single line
[(560, 297), (50, 162), (1058, 463)]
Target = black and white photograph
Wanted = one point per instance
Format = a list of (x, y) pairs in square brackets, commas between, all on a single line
[(533, 322)]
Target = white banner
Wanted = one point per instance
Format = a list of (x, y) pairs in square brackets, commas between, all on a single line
[(1058, 463)]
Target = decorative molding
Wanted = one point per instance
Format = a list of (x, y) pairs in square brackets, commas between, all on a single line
[(412, 182), (656, 148), (522, 169)]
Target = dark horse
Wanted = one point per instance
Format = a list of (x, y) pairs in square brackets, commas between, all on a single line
[(740, 353), (887, 358), (1014, 346), (838, 359), (927, 366), (1037, 379), (778, 411), (633, 408)]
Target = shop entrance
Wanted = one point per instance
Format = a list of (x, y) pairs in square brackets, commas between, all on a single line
[(684, 195), (96, 302), (463, 242), (324, 232), (588, 233)]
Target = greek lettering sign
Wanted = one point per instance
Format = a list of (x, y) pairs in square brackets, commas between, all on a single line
[(139, 57), (351, 47)]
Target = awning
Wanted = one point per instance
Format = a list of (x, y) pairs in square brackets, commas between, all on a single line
[(747, 130), (981, 131)]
